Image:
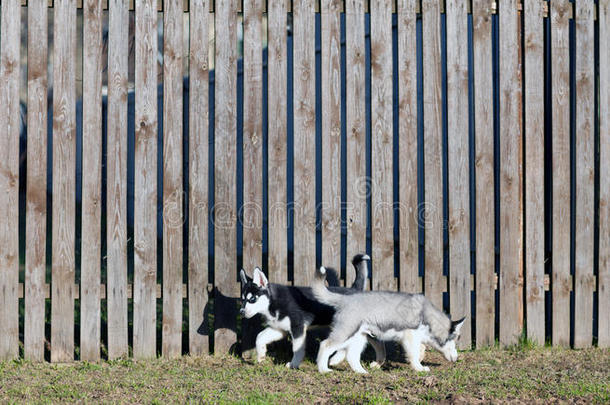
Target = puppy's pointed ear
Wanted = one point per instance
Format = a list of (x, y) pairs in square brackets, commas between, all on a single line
[(243, 277), (259, 278), (457, 325)]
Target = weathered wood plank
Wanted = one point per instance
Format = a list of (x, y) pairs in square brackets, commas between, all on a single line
[(116, 173), (225, 253), (433, 179), (407, 144), (331, 133), (9, 178), (90, 324), (585, 174), (560, 60), (145, 195), (356, 213), (484, 167), (458, 166), (198, 175), (304, 141)]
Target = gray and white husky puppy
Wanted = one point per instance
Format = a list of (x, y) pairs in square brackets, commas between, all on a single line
[(292, 310), (410, 319)]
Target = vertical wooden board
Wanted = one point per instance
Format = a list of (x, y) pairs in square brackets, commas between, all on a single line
[(585, 173), (484, 174), (198, 176), (331, 134), (9, 178), (433, 133), (459, 170), (64, 160), (534, 175), (145, 193), (36, 192), (92, 183), (276, 140), (116, 178), (356, 213), (603, 291), (560, 61), (407, 144), (225, 253)]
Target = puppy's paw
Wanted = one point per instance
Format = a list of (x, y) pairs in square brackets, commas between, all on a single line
[(425, 369), (374, 364), (324, 370), (292, 366), (260, 359)]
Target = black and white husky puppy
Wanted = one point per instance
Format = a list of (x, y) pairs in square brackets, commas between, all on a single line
[(410, 319), (291, 310)]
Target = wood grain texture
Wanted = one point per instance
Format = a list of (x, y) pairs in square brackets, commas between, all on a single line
[(561, 280), (116, 178), (585, 175), (407, 144), (276, 140), (225, 253), (485, 283), (331, 134), (90, 325), (458, 166), (64, 161), (356, 211), (145, 195), (198, 175), (9, 178), (534, 175), (603, 290), (36, 194), (433, 179), (304, 74)]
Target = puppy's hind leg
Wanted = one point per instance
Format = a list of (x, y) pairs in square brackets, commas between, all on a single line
[(337, 358), (355, 347), (327, 347), (298, 350), (379, 347), (265, 337)]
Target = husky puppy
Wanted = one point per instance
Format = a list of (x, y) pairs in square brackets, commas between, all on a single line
[(410, 319), (292, 310)]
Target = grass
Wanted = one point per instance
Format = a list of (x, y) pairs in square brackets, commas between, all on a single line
[(520, 374)]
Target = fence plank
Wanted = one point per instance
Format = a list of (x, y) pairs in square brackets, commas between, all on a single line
[(534, 166), (145, 195), (603, 339), (304, 141), (331, 134), (356, 213), (9, 178), (407, 145), (560, 61), (225, 254), (116, 173), (90, 316), (458, 166), (198, 176), (64, 160), (433, 183), (585, 82), (276, 139), (484, 166)]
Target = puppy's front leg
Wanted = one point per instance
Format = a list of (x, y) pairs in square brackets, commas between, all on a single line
[(266, 336)]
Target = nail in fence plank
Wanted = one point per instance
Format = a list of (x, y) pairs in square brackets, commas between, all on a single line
[(116, 173), (603, 339), (331, 135), (9, 178), (304, 142), (560, 62), (585, 174), (276, 197), (145, 195), (90, 314), (64, 160), (433, 183), (511, 162), (484, 174), (225, 254), (356, 213), (458, 166)]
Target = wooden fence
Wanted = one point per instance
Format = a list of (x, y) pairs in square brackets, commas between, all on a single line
[(477, 172)]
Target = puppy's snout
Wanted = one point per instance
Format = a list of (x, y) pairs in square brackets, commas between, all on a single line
[(242, 311)]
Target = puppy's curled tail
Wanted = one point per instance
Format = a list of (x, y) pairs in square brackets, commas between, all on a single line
[(360, 263), (320, 291)]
